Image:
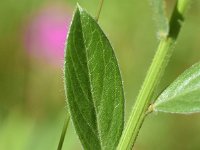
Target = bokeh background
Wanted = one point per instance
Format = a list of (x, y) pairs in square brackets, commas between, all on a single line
[(32, 101)]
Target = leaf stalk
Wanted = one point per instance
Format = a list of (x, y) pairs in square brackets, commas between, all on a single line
[(64, 130), (99, 9)]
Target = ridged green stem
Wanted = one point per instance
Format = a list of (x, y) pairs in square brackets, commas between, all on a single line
[(153, 77)]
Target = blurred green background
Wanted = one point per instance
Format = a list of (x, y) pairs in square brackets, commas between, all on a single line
[(32, 101)]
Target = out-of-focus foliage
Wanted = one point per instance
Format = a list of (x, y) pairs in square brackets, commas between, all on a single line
[(32, 99)]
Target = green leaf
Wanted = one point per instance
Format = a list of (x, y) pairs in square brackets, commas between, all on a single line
[(160, 17), (183, 95), (93, 84)]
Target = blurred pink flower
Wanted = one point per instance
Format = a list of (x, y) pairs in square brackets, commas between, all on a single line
[(46, 32)]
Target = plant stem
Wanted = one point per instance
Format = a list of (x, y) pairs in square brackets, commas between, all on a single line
[(62, 137), (99, 9), (153, 77)]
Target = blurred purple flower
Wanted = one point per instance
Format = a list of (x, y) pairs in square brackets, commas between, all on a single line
[(46, 32)]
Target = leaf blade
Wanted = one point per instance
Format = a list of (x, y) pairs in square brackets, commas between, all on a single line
[(183, 95), (160, 18), (93, 84)]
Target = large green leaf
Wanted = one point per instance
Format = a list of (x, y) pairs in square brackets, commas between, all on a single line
[(160, 17), (183, 95), (93, 84)]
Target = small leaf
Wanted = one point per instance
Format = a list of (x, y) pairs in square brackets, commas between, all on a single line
[(93, 85), (160, 17), (183, 95)]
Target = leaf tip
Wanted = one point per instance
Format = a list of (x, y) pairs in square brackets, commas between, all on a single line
[(79, 8)]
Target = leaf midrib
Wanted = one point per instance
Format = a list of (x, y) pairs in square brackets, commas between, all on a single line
[(90, 85)]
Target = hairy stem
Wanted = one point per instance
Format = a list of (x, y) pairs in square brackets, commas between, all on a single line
[(99, 9), (153, 77), (62, 137)]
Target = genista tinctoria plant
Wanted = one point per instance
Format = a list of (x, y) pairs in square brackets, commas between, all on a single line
[(94, 89)]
